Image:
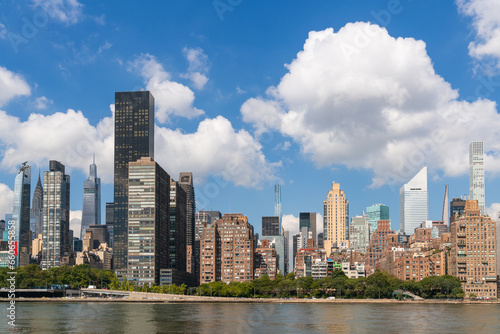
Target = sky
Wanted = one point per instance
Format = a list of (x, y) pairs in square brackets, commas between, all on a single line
[(250, 94)]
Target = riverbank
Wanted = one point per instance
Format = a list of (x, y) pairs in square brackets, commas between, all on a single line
[(155, 298)]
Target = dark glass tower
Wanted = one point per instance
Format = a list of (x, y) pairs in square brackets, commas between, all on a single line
[(270, 226), (134, 139), (186, 183)]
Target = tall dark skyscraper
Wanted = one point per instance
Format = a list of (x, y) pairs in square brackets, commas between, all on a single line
[(56, 199), (91, 212), (37, 206), (134, 139), (271, 226), (308, 219), (186, 183), (110, 220), (177, 230)]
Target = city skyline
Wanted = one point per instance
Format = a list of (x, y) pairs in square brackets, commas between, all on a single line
[(248, 105)]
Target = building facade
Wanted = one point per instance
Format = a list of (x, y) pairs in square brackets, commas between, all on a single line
[(308, 219), (37, 206), (359, 233), (265, 260), (335, 218), (110, 220), (134, 139), (375, 213), (21, 216), (186, 183), (271, 225), (177, 249), (56, 208), (148, 220), (476, 173), (91, 211), (413, 202), (474, 252), (227, 250)]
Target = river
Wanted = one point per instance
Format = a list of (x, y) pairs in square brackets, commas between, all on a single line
[(251, 318)]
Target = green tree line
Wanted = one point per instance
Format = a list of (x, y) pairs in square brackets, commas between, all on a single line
[(378, 285)]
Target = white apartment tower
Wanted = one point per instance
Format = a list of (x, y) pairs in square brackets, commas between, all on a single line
[(413, 201), (476, 173)]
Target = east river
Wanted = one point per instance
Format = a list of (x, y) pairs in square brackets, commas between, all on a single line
[(251, 318)]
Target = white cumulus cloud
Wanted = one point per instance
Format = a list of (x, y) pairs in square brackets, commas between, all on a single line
[(171, 98), (65, 11), (486, 22), (6, 200), (11, 85), (364, 99), (198, 67), (42, 102)]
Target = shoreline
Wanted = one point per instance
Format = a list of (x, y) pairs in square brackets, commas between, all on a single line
[(209, 300)]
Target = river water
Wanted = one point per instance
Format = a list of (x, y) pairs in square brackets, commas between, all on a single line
[(251, 318)]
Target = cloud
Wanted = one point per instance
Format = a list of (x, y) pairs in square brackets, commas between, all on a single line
[(216, 148), (3, 31), (486, 23), (64, 11), (283, 146), (66, 137), (171, 98), (6, 200), (493, 211), (41, 103), (366, 100), (11, 85), (75, 222), (198, 67)]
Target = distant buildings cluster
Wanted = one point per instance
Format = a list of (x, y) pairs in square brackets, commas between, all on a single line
[(153, 234)]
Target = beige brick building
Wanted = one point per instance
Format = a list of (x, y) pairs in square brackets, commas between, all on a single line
[(335, 218)]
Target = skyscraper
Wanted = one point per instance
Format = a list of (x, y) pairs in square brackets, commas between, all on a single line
[(375, 213), (476, 173), (177, 228), (91, 212), (335, 218), (446, 205), (21, 215), (271, 225), (308, 219), (37, 206), (110, 220), (413, 202), (134, 139), (186, 183), (56, 199), (457, 207), (277, 203), (359, 233), (148, 197)]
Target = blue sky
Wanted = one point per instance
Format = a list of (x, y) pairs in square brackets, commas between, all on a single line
[(253, 93)]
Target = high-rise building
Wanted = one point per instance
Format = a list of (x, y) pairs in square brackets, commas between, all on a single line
[(295, 248), (320, 240), (446, 205), (148, 221), (265, 260), (227, 250), (56, 200), (186, 182), (177, 229), (277, 202), (91, 212), (271, 225), (335, 218), (278, 243), (134, 139), (21, 215), (474, 252), (37, 206), (457, 207), (476, 173), (375, 213), (110, 220), (308, 219), (413, 202), (378, 243), (359, 234)]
